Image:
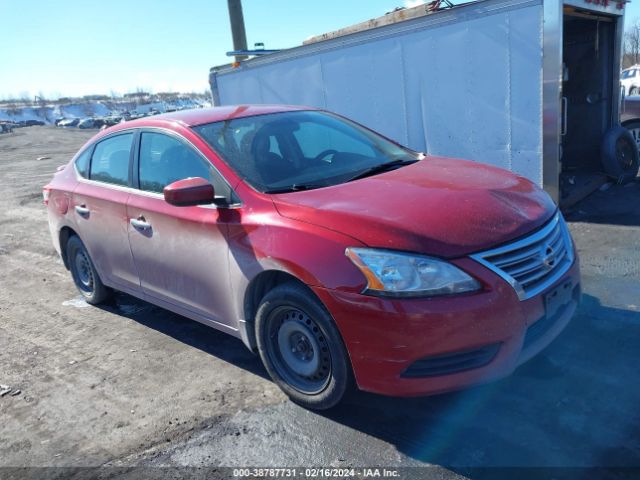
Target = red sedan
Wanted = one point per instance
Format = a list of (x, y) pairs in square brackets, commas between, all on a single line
[(341, 257)]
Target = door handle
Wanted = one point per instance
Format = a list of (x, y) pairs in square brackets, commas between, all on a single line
[(140, 223), (82, 210)]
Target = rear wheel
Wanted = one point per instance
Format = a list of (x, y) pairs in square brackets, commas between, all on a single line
[(301, 347), (633, 91), (84, 273)]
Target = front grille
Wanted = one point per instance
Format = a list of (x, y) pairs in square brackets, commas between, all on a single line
[(452, 362), (532, 264)]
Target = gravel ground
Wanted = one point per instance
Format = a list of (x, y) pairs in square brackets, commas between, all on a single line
[(130, 384)]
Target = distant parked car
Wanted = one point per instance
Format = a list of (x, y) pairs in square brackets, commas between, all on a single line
[(86, 123), (630, 80), (34, 123), (112, 120), (338, 255), (69, 122)]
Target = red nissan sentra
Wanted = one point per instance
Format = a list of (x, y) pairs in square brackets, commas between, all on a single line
[(340, 256)]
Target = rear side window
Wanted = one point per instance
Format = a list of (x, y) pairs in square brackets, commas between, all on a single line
[(110, 160), (164, 160), (82, 163)]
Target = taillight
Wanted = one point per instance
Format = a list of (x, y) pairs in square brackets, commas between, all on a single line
[(45, 195)]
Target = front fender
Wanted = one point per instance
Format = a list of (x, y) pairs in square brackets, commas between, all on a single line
[(310, 253)]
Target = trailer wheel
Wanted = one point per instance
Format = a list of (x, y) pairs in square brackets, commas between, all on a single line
[(619, 152)]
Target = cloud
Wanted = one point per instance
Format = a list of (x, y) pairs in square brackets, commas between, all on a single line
[(413, 3)]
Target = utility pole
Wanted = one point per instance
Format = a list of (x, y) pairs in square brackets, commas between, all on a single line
[(237, 27)]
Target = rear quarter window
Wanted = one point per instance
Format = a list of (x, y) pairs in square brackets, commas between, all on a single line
[(82, 163), (110, 160)]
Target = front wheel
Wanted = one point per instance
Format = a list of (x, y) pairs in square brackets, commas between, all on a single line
[(84, 273), (301, 347)]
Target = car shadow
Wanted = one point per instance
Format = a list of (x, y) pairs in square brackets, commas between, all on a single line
[(574, 405), (195, 334)]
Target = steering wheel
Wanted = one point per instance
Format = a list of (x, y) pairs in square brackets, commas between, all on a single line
[(325, 153)]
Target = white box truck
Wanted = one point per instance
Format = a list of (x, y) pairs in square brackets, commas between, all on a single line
[(527, 85)]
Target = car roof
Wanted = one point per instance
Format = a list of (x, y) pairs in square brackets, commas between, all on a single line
[(200, 116)]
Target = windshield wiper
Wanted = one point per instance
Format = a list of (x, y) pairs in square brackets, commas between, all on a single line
[(296, 187), (383, 167)]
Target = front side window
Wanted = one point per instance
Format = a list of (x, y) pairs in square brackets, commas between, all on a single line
[(299, 150), (110, 160), (165, 159)]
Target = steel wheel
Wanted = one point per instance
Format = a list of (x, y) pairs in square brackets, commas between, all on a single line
[(299, 350), (84, 273), (301, 347)]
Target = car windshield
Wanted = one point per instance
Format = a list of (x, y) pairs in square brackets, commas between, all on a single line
[(629, 73), (300, 150)]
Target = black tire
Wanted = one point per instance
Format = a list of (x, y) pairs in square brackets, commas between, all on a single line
[(84, 273), (316, 373), (619, 154), (633, 91)]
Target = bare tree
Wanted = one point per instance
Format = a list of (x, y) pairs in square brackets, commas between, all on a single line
[(42, 105), (12, 106), (631, 45)]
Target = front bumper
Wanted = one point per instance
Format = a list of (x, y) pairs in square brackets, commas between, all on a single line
[(388, 338)]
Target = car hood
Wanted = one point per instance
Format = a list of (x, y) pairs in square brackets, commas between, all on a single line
[(437, 206)]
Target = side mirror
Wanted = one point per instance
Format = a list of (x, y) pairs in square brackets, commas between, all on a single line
[(188, 192)]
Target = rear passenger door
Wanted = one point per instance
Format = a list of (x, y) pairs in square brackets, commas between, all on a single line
[(180, 252), (100, 209)]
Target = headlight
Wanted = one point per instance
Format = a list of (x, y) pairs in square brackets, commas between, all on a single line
[(404, 275)]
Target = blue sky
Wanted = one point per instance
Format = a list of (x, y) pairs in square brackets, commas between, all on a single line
[(74, 47)]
